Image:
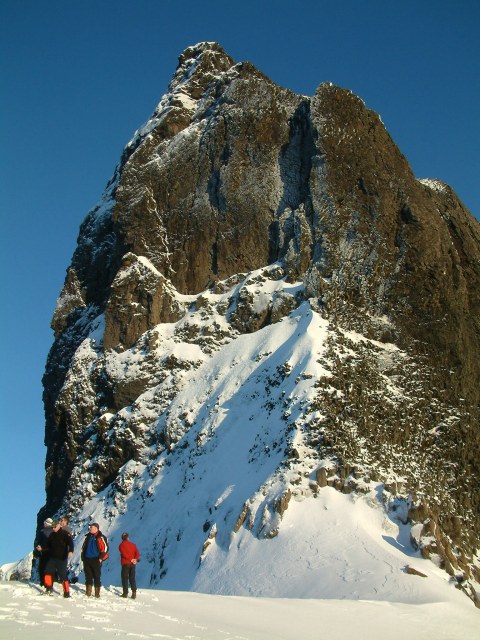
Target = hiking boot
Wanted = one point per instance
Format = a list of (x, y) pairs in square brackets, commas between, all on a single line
[(134, 595), (97, 592), (125, 594), (88, 590), (49, 591), (66, 594)]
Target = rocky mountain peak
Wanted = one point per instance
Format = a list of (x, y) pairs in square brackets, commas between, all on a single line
[(265, 272), (206, 59)]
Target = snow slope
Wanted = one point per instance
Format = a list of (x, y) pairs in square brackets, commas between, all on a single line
[(26, 615), (345, 576), (234, 416)]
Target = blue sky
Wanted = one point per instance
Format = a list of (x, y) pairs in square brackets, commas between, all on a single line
[(79, 77)]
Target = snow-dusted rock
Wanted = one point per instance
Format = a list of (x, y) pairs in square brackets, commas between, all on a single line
[(265, 305)]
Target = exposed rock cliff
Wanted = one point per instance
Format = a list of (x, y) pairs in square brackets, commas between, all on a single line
[(240, 205)]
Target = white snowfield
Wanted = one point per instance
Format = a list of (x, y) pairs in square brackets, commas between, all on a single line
[(25, 614)]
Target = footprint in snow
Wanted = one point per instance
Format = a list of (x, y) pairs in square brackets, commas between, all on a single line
[(96, 617), (58, 614), (83, 628), (28, 623)]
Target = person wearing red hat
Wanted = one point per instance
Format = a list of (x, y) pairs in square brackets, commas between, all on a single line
[(129, 556)]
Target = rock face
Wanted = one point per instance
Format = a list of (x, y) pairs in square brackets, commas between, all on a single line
[(235, 205)]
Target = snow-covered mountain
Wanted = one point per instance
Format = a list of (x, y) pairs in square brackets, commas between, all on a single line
[(269, 327)]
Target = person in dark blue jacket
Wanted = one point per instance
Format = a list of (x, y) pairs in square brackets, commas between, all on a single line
[(94, 552)]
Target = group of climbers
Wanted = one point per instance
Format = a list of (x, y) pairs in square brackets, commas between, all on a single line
[(54, 547)]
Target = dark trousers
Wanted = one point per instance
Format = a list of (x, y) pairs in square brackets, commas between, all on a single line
[(128, 575), (92, 568), (57, 568), (42, 563)]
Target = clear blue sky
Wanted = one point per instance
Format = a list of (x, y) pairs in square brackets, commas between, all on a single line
[(79, 76)]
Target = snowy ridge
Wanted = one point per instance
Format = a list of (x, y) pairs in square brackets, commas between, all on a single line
[(435, 185)]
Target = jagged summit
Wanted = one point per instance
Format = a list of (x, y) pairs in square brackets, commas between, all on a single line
[(266, 282), (203, 53), (199, 64), (199, 49)]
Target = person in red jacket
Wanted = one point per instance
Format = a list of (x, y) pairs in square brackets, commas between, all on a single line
[(129, 556)]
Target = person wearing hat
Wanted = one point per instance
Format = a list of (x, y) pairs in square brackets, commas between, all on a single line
[(129, 556), (60, 548), (41, 549), (94, 552)]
